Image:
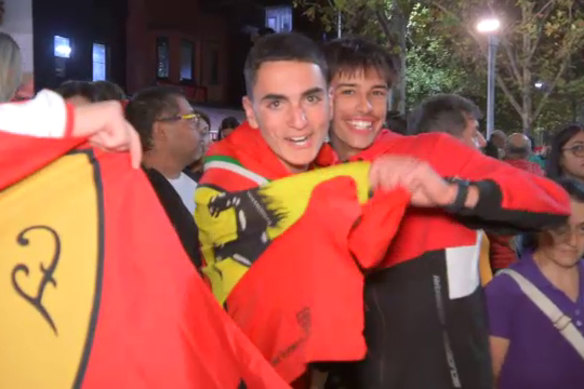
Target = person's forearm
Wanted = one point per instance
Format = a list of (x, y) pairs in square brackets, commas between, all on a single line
[(91, 118)]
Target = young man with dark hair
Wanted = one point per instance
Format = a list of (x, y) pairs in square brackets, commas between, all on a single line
[(77, 93), (107, 90), (425, 320), (170, 135), (448, 113), (288, 110)]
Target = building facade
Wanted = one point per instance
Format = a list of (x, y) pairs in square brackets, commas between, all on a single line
[(174, 42), (196, 45)]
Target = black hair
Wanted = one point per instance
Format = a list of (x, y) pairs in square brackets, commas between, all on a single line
[(491, 150), (107, 90), (228, 122), (575, 189), (289, 46), (73, 88), (531, 142), (348, 56), (442, 113), (149, 105), (263, 31), (396, 122), (553, 167)]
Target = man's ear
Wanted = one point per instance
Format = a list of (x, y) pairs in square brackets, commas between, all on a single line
[(331, 102), (249, 112), (158, 132)]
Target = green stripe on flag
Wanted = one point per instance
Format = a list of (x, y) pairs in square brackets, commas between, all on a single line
[(223, 159)]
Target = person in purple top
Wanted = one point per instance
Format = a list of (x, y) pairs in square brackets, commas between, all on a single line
[(528, 351)]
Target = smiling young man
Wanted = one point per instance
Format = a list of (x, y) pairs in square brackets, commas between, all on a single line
[(425, 320)]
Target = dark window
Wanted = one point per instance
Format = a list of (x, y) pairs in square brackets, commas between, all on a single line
[(214, 67), (162, 57)]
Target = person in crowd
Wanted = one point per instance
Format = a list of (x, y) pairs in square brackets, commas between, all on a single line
[(78, 93), (10, 67), (107, 90), (491, 150), (227, 126), (432, 263), (451, 114), (170, 133), (499, 139), (517, 151), (534, 155), (536, 307), (566, 157), (447, 109)]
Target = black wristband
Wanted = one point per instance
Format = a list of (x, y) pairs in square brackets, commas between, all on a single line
[(461, 195)]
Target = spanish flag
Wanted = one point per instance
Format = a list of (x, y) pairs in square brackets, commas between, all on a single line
[(96, 290), (286, 257)]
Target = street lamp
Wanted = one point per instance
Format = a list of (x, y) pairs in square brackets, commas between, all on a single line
[(490, 26)]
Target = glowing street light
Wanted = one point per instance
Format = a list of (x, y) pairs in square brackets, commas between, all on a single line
[(490, 26)]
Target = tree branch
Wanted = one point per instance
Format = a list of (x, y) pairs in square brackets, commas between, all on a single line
[(509, 95), (546, 5), (552, 86), (383, 22), (512, 60), (541, 24)]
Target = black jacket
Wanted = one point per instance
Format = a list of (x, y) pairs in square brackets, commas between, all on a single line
[(180, 217)]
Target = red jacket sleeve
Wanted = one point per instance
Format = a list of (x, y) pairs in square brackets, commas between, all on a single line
[(508, 196)]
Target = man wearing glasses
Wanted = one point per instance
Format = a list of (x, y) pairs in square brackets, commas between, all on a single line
[(171, 134)]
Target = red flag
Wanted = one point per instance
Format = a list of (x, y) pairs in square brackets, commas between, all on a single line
[(285, 254), (101, 293)]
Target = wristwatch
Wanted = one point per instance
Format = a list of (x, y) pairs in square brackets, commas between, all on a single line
[(461, 195)]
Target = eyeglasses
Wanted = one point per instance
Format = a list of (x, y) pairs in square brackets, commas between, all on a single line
[(187, 116), (577, 150)]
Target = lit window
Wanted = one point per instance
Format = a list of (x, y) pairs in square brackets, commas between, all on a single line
[(272, 22), (62, 47), (99, 62), (162, 57), (186, 60), (279, 18)]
